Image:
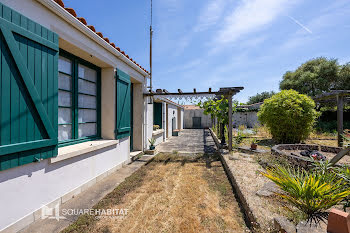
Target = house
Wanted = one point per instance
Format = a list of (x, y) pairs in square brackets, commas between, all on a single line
[(194, 118), (72, 109)]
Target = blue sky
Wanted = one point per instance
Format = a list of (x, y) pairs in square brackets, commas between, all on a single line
[(218, 43)]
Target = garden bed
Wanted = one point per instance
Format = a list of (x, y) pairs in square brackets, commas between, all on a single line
[(292, 153), (258, 202)]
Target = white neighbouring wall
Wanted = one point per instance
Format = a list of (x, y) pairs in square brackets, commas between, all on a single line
[(206, 121), (27, 188)]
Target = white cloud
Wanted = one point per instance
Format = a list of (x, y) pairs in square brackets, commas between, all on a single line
[(210, 14), (251, 16)]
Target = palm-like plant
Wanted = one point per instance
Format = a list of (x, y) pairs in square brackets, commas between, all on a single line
[(310, 192), (344, 173)]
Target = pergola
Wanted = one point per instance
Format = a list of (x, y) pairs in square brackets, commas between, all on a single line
[(227, 92), (336, 98)]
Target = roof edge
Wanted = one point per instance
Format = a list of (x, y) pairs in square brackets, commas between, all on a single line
[(61, 12)]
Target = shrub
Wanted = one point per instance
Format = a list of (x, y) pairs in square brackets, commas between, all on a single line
[(289, 116)]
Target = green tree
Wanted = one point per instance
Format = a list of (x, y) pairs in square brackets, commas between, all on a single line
[(218, 108), (260, 97), (315, 77), (344, 77), (289, 116)]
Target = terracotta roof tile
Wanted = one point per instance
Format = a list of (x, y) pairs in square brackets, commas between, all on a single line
[(71, 11), (59, 2), (99, 34), (92, 28), (191, 107), (81, 19)]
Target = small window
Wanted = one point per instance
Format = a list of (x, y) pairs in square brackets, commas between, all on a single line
[(78, 100)]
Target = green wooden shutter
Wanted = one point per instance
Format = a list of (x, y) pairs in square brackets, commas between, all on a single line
[(28, 90), (157, 114), (123, 105)]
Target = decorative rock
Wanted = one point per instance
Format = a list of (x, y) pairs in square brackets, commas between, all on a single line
[(269, 189), (305, 227), (338, 222), (283, 225)]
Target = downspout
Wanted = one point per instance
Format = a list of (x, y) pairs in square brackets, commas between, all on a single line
[(164, 119), (145, 123)]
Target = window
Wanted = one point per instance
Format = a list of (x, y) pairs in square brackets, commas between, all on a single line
[(157, 114), (78, 99)]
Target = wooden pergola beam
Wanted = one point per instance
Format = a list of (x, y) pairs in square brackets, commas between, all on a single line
[(222, 91), (340, 119), (340, 97)]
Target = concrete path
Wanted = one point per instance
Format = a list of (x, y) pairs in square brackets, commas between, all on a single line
[(190, 141), (86, 199)]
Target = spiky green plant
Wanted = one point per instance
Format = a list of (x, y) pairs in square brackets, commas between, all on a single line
[(308, 191), (344, 173), (324, 168)]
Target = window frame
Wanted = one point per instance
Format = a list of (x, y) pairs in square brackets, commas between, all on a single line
[(75, 95)]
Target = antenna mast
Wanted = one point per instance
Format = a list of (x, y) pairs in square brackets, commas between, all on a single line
[(150, 50)]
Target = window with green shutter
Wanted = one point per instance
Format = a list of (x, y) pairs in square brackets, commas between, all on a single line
[(157, 114), (123, 107), (78, 100), (28, 90)]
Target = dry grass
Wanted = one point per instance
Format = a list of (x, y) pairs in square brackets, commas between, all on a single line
[(172, 194)]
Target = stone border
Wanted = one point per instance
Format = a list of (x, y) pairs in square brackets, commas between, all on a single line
[(248, 213)]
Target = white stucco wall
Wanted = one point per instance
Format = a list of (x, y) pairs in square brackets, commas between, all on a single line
[(172, 112), (148, 121), (182, 118), (249, 119), (158, 137), (27, 188), (190, 113)]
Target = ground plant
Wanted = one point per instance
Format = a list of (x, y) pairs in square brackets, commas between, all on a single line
[(289, 116), (309, 191)]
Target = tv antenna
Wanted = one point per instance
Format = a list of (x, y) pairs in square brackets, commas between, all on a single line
[(150, 49)]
